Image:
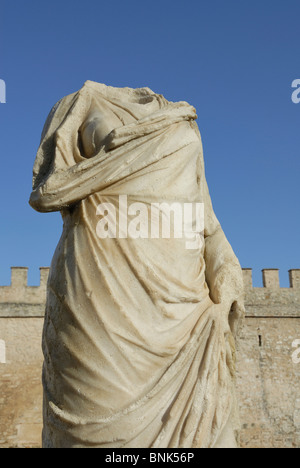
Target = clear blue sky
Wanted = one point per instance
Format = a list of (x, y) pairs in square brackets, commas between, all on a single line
[(234, 60)]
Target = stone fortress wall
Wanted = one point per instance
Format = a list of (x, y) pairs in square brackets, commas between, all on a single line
[(268, 377)]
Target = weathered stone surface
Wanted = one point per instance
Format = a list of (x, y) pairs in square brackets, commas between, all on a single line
[(268, 379), (20, 382), (268, 383), (140, 324)]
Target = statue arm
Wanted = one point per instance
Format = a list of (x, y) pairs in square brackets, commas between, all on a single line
[(68, 183), (65, 187), (223, 272)]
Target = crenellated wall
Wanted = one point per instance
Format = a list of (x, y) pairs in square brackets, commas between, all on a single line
[(271, 300), (267, 381), (19, 299), (22, 310)]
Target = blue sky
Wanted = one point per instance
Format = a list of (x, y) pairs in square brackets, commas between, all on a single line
[(234, 60)]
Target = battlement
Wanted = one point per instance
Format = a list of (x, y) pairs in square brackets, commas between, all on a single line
[(271, 300), (21, 300), (271, 278)]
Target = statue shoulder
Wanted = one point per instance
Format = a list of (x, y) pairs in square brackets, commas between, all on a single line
[(57, 113)]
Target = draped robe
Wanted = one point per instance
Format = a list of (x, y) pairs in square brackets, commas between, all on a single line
[(137, 347)]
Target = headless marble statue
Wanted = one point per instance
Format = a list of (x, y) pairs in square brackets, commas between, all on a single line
[(139, 333)]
